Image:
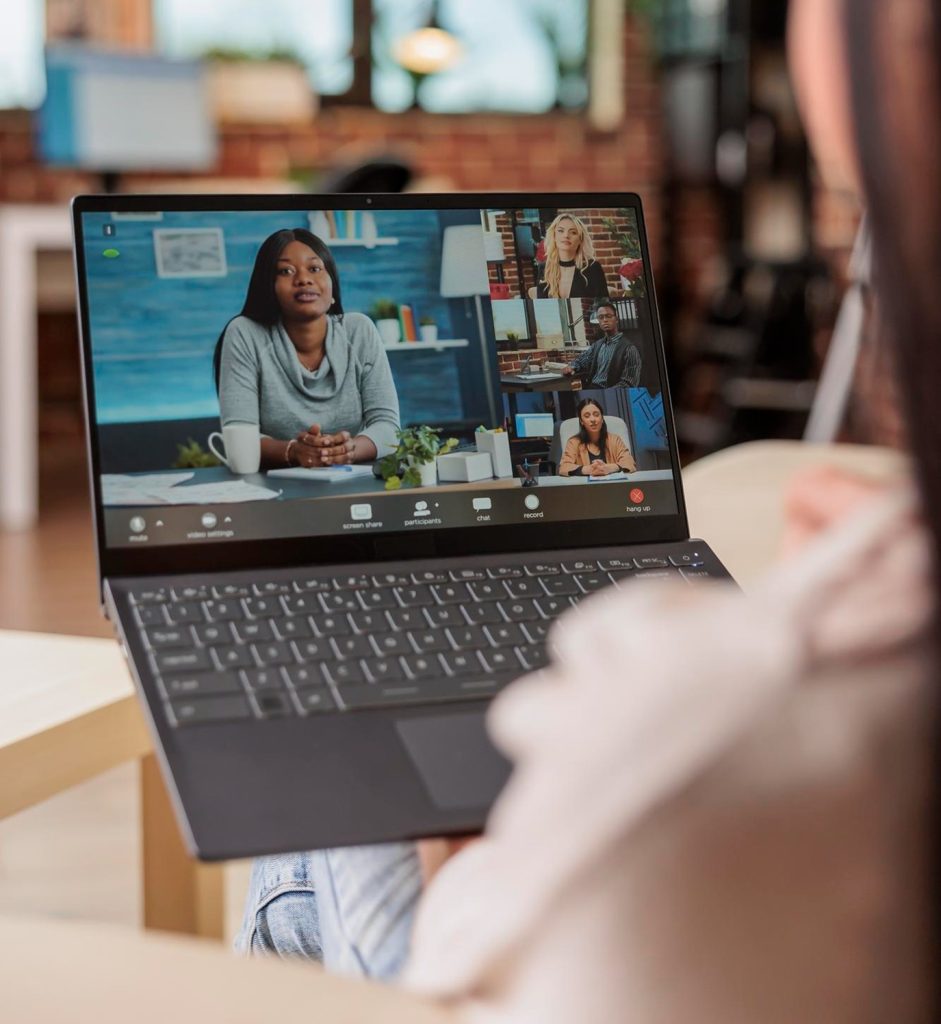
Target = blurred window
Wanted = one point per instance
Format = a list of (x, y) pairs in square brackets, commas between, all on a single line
[(518, 56), (319, 34), (22, 81), (690, 27)]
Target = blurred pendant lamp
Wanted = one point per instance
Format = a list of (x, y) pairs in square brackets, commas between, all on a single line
[(427, 51)]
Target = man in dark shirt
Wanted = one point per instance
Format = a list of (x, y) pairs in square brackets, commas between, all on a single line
[(612, 361)]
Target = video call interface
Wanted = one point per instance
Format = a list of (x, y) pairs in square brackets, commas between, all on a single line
[(266, 374)]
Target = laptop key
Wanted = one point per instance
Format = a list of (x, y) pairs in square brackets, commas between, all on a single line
[(277, 653), (391, 644), (500, 659), (270, 589), (177, 637), (199, 592), (619, 576), (331, 624), (351, 646), (370, 623), (580, 566), (261, 607), (560, 586), (422, 666), (527, 587), (488, 590), (504, 572), (299, 677), (689, 559), (381, 670), (391, 579), (417, 596), (289, 629), (313, 650), (612, 564), (507, 634), (465, 638), (192, 660), (339, 601), (199, 684), (354, 698), (300, 604), (182, 612), (223, 610), (356, 581), (153, 595), (272, 705), (429, 640), (344, 673), (252, 629), (232, 657), (443, 615), (650, 562), (210, 633), (204, 710), (479, 614), (695, 575), (467, 575), (377, 599), (313, 585), (542, 569), (593, 581), (553, 607), (310, 702), (150, 615), (228, 591), (430, 576), (461, 663), (450, 593), (407, 618), (657, 574), (536, 632), (524, 610), (261, 679)]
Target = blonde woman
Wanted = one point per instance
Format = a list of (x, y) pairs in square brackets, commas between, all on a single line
[(571, 270)]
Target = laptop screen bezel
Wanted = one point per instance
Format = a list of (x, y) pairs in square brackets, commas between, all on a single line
[(445, 542)]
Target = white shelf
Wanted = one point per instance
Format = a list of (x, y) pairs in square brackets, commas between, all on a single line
[(334, 243), (412, 346)]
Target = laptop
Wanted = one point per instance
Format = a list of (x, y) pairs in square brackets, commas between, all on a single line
[(315, 618)]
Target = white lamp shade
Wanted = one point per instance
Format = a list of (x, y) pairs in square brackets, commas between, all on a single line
[(463, 262)]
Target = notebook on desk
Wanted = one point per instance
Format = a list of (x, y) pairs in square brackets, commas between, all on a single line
[(316, 665)]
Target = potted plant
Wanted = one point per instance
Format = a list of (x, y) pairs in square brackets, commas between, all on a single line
[(512, 337), (412, 464), (428, 329), (385, 313), (242, 82)]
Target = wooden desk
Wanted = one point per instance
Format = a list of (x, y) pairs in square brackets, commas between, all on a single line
[(67, 713)]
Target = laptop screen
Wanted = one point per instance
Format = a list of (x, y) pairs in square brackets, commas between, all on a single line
[(271, 373)]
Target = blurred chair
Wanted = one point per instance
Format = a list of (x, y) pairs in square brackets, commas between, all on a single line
[(567, 429)]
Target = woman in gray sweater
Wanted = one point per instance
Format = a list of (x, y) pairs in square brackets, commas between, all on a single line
[(315, 380)]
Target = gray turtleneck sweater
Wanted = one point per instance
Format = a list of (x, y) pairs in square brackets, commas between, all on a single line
[(263, 382)]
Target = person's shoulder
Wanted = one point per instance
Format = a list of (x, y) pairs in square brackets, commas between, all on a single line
[(359, 330), (242, 334), (573, 443)]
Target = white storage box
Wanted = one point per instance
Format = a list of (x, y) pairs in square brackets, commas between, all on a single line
[(497, 444), (464, 467)]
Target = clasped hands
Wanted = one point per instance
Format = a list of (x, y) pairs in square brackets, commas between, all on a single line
[(600, 469), (315, 448)]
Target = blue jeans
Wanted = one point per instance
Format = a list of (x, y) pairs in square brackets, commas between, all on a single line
[(350, 908)]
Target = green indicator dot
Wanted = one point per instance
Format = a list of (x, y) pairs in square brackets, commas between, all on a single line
[(111, 254)]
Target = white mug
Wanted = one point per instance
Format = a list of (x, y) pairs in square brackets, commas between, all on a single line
[(242, 447)]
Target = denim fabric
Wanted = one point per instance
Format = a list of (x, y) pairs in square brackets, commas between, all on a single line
[(350, 908)]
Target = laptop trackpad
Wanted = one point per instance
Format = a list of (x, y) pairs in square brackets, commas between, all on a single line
[(459, 766)]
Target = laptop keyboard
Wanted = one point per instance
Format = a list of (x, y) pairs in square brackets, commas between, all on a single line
[(319, 643)]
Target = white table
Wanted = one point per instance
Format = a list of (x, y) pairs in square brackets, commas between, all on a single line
[(24, 231)]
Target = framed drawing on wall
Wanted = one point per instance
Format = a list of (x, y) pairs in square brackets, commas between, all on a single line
[(190, 252)]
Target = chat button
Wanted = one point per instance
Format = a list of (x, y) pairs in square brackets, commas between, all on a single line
[(482, 504)]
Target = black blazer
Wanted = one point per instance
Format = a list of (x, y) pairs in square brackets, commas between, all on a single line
[(589, 283)]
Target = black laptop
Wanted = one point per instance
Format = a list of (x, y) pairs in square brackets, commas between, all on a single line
[(316, 618)]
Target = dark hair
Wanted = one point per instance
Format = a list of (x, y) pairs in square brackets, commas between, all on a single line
[(261, 303), (610, 305), (894, 54), (583, 433)]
